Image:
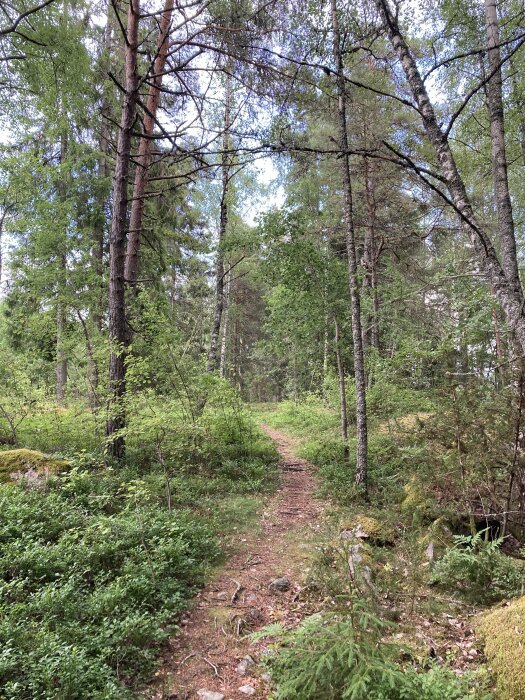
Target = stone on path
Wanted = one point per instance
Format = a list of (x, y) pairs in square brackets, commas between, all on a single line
[(247, 690), (244, 664), (281, 584), (209, 695)]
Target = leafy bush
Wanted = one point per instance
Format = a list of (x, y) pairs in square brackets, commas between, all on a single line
[(96, 566), (478, 570), (85, 597), (343, 658)]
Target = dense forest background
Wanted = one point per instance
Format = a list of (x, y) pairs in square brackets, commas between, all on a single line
[(215, 213)]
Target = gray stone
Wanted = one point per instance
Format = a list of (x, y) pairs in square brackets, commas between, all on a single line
[(209, 695), (244, 665), (247, 690), (281, 584)]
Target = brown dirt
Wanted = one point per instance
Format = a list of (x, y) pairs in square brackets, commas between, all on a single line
[(213, 639)]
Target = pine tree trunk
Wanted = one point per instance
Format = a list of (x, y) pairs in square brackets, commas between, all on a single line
[(361, 474), (117, 242), (143, 159), (213, 355), (499, 155), (505, 291)]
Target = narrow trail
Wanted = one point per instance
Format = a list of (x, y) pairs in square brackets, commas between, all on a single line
[(206, 654)]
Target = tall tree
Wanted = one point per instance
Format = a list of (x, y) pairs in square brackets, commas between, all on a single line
[(117, 243), (361, 473)]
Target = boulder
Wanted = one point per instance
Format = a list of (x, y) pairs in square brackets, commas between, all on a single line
[(503, 632), (29, 465), (363, 527)]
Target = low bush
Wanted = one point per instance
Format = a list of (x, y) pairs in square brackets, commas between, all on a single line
[(478, 570), (344, 658)]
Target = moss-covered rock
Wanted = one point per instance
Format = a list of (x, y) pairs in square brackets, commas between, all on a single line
[(367, 528), (503, 631), (28, 464)]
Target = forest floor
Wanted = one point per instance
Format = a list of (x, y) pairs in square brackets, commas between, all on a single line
[(212, 658)]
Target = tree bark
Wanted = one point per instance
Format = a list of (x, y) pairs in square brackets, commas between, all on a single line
[(224, 332), (370, 255), (61, 359), (342, 390), (97, 249), (213, 355), (117, 242), (505, 292), (143, 159), (499, 155), (361, 474)]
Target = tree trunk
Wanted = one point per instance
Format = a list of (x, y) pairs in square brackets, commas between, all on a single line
[(370, 278), (213, 357), (117, 241), (97, 249), (361, 474), (342, 390), (224, 333), (61, 359), (505, 292), (143, 159), (499, 155)]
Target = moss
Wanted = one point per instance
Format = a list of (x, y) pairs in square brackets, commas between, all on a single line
[(16, 463), (373, 530), (416, 500), (503, 631)]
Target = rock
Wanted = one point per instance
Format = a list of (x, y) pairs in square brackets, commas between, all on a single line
[(29, 465), (204, 694), (363, 527), (281, 584), (247, 690), (503, 631), (244, 665), (266, 677)]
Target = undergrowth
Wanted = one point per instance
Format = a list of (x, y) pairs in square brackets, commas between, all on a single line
[(97, 563)]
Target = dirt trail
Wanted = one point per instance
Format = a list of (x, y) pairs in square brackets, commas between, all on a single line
[(207, 651)]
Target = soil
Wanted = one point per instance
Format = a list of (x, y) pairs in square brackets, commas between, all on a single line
[(213, 640)]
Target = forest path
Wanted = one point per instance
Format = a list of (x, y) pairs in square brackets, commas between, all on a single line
[(206, 654)]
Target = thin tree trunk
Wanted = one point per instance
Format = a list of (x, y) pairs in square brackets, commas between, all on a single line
[(213, 357), (117, 242), (361, 474), (61, 359), (97, 249), (224, 333), (505, 292), (342, 390), (143, 159), (499, 155), (372, 330)]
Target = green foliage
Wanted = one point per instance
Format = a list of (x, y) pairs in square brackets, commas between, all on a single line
[(96, 567), (343, 658), (478, 570)]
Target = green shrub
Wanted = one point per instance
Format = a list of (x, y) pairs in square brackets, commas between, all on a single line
[(477, 569), (343, 658), (86, 597)]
